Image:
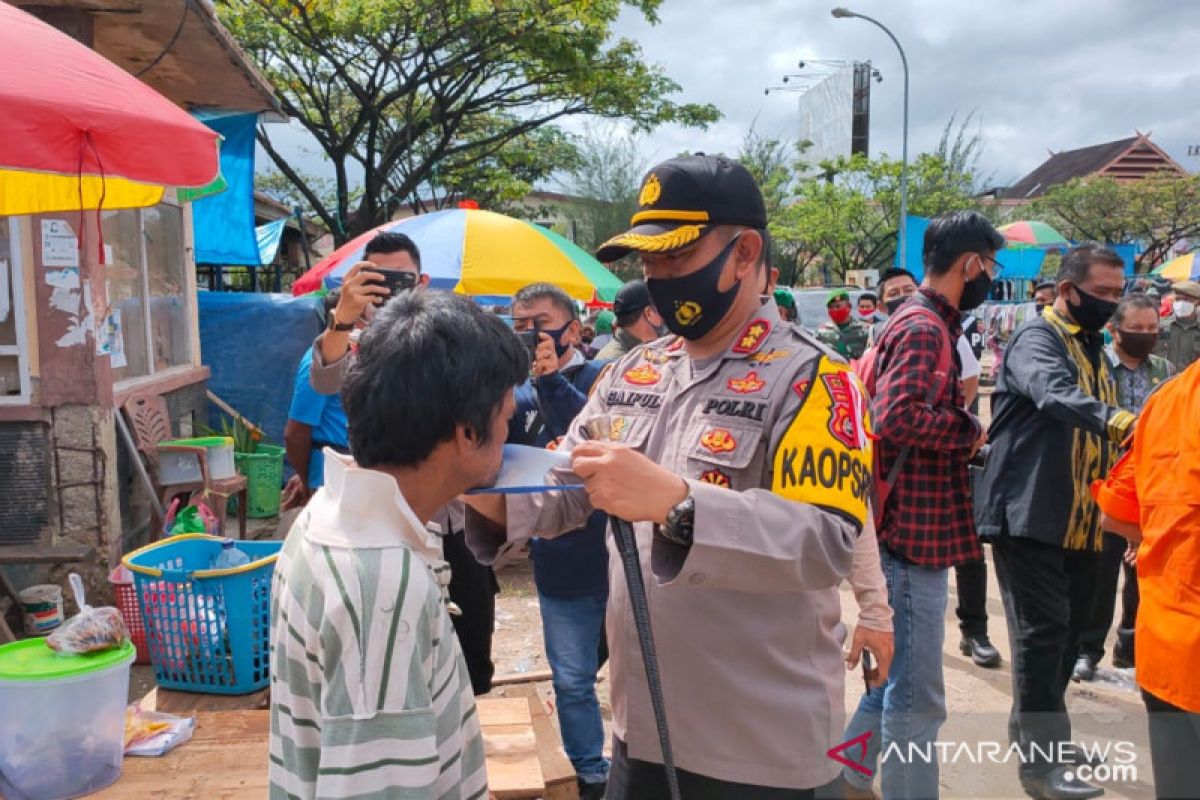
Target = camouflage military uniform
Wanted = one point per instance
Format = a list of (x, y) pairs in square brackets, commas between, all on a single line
[(1179, 341), (850, 340)]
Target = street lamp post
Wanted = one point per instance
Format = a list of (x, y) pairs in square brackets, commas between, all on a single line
[(845, 13)]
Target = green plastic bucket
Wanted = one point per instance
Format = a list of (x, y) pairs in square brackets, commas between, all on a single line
[(264, 478)]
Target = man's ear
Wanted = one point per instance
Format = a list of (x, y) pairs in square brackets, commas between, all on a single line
[(423, 280), (748, 250)]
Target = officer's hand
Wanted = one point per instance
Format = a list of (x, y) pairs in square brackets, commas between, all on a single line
[(882, 646), (545, 358), (358, 292), (625, 483)]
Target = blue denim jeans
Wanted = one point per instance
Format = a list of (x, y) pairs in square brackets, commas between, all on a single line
[(911, 706), (572, 627)]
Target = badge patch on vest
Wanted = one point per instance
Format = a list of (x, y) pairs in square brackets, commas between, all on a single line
[(769, 356), (824, 458), (749, 384), (716, 478), (645, 375), (753, 336), (718, 440)]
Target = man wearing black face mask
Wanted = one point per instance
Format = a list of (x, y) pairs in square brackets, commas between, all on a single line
[(1135, 330), (1056, 425), (739, 451), (569, 572)]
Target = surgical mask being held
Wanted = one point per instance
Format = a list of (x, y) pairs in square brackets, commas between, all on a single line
[(1184, 308), (692, 305), (1136, 345), (1091, 313)]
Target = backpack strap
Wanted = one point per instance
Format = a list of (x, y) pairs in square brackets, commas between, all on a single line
[(883, 489)]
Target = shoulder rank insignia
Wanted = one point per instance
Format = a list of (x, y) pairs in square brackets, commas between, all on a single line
[(645, 375), (654, 356), (675, 345), (753, 336), (718, 440), (748, 384)]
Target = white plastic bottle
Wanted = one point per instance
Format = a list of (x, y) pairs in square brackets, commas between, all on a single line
[(230, 556)]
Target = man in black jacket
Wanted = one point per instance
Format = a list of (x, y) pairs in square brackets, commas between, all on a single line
[(1055, 428)]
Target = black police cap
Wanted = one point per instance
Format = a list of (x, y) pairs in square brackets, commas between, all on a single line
[(682, 199)]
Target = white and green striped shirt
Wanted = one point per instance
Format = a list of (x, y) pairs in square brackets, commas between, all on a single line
[(370, 696)]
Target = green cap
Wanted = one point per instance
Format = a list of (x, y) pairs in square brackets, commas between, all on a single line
[(785, 298), (835, 295), (604, 322), (33, 660)]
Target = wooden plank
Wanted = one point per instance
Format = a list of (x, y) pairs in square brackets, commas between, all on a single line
[(516, 678), (557, 771), (37, 554), (226, 758), (503, 711), (173, 702)]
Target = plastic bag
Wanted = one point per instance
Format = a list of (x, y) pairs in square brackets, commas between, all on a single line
[(195, 518), (152, 733), (91, 629)]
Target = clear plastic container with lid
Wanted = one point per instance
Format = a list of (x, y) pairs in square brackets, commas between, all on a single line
[(63, 731)]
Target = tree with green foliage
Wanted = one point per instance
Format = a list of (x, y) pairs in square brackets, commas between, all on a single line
[(425, 96), (605, 180), (1158, 212)]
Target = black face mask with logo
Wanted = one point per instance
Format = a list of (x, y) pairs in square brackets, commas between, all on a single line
[(692, 305)]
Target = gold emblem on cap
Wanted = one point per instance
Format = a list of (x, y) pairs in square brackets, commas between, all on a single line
[(651, 191), (688, 312)]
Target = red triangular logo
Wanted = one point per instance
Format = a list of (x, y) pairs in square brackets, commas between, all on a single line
[(860, 741)]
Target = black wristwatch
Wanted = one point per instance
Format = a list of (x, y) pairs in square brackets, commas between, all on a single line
[(680, 521), (342, 327)]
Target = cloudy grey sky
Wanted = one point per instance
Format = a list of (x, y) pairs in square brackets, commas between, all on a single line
[(1050, 74), (1039, 74)]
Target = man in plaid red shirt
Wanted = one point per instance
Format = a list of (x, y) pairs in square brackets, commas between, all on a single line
[(926, 524)]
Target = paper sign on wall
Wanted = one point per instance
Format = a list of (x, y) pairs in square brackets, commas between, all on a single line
[(60, 248), (110, 339)]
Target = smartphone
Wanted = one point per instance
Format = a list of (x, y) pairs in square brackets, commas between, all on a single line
[(868, 668), (530, 339), (395, 281)]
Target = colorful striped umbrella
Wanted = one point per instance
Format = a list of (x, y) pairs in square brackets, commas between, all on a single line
[(1184, 268), (479, 253), (1032, 232)]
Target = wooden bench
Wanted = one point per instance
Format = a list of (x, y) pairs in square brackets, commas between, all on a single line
[(227, 756)]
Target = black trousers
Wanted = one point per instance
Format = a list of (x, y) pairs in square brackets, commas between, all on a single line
[(1174, 747), (632, 779), (1112, 564), (971, 581), (1048, 594), (473, 588)]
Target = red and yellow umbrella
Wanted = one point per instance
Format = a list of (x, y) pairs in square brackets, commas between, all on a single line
[(78, 132), (1184, 268)]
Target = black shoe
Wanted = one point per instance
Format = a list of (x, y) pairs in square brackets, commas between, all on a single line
[(1122, 661), (1123, 652), (979, 647), (1085, 670), (1054, 785), (592, 791)]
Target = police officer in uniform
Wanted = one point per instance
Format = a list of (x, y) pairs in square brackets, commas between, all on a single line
[(739, 449)]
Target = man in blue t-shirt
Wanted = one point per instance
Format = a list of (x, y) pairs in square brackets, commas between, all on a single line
[(315, 421)]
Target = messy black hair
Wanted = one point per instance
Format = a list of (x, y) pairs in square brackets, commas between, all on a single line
[(390, 242), (427, 363), (951, 235)]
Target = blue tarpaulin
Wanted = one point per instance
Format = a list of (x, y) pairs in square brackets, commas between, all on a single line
[(253, 342), (224, 223), (269, 236)]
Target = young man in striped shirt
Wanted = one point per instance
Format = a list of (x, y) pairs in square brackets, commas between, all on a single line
[(370, 696)]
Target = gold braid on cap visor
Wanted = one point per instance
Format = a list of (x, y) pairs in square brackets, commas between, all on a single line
[(660, 242)]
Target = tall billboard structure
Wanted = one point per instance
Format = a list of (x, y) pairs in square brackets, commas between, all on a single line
[(827, 116)]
